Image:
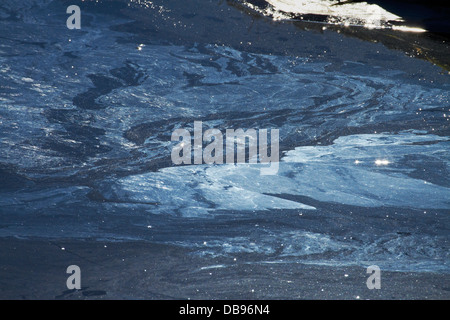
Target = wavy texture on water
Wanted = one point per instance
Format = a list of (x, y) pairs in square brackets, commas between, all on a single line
[(85, 146)]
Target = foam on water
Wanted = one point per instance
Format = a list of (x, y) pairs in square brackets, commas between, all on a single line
[(350, 13), (345, 172), (85, 143)]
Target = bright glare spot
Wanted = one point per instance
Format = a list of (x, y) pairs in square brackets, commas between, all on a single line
[(408, 29), (382, 162)]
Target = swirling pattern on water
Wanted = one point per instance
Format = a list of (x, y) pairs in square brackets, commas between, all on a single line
[(85, 147)]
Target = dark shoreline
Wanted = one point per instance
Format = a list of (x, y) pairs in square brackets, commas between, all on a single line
[(36, 269)]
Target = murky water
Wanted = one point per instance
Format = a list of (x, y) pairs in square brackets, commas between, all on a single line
[(86, 118)]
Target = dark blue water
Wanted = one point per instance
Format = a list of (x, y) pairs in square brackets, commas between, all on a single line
[(86, 118)]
